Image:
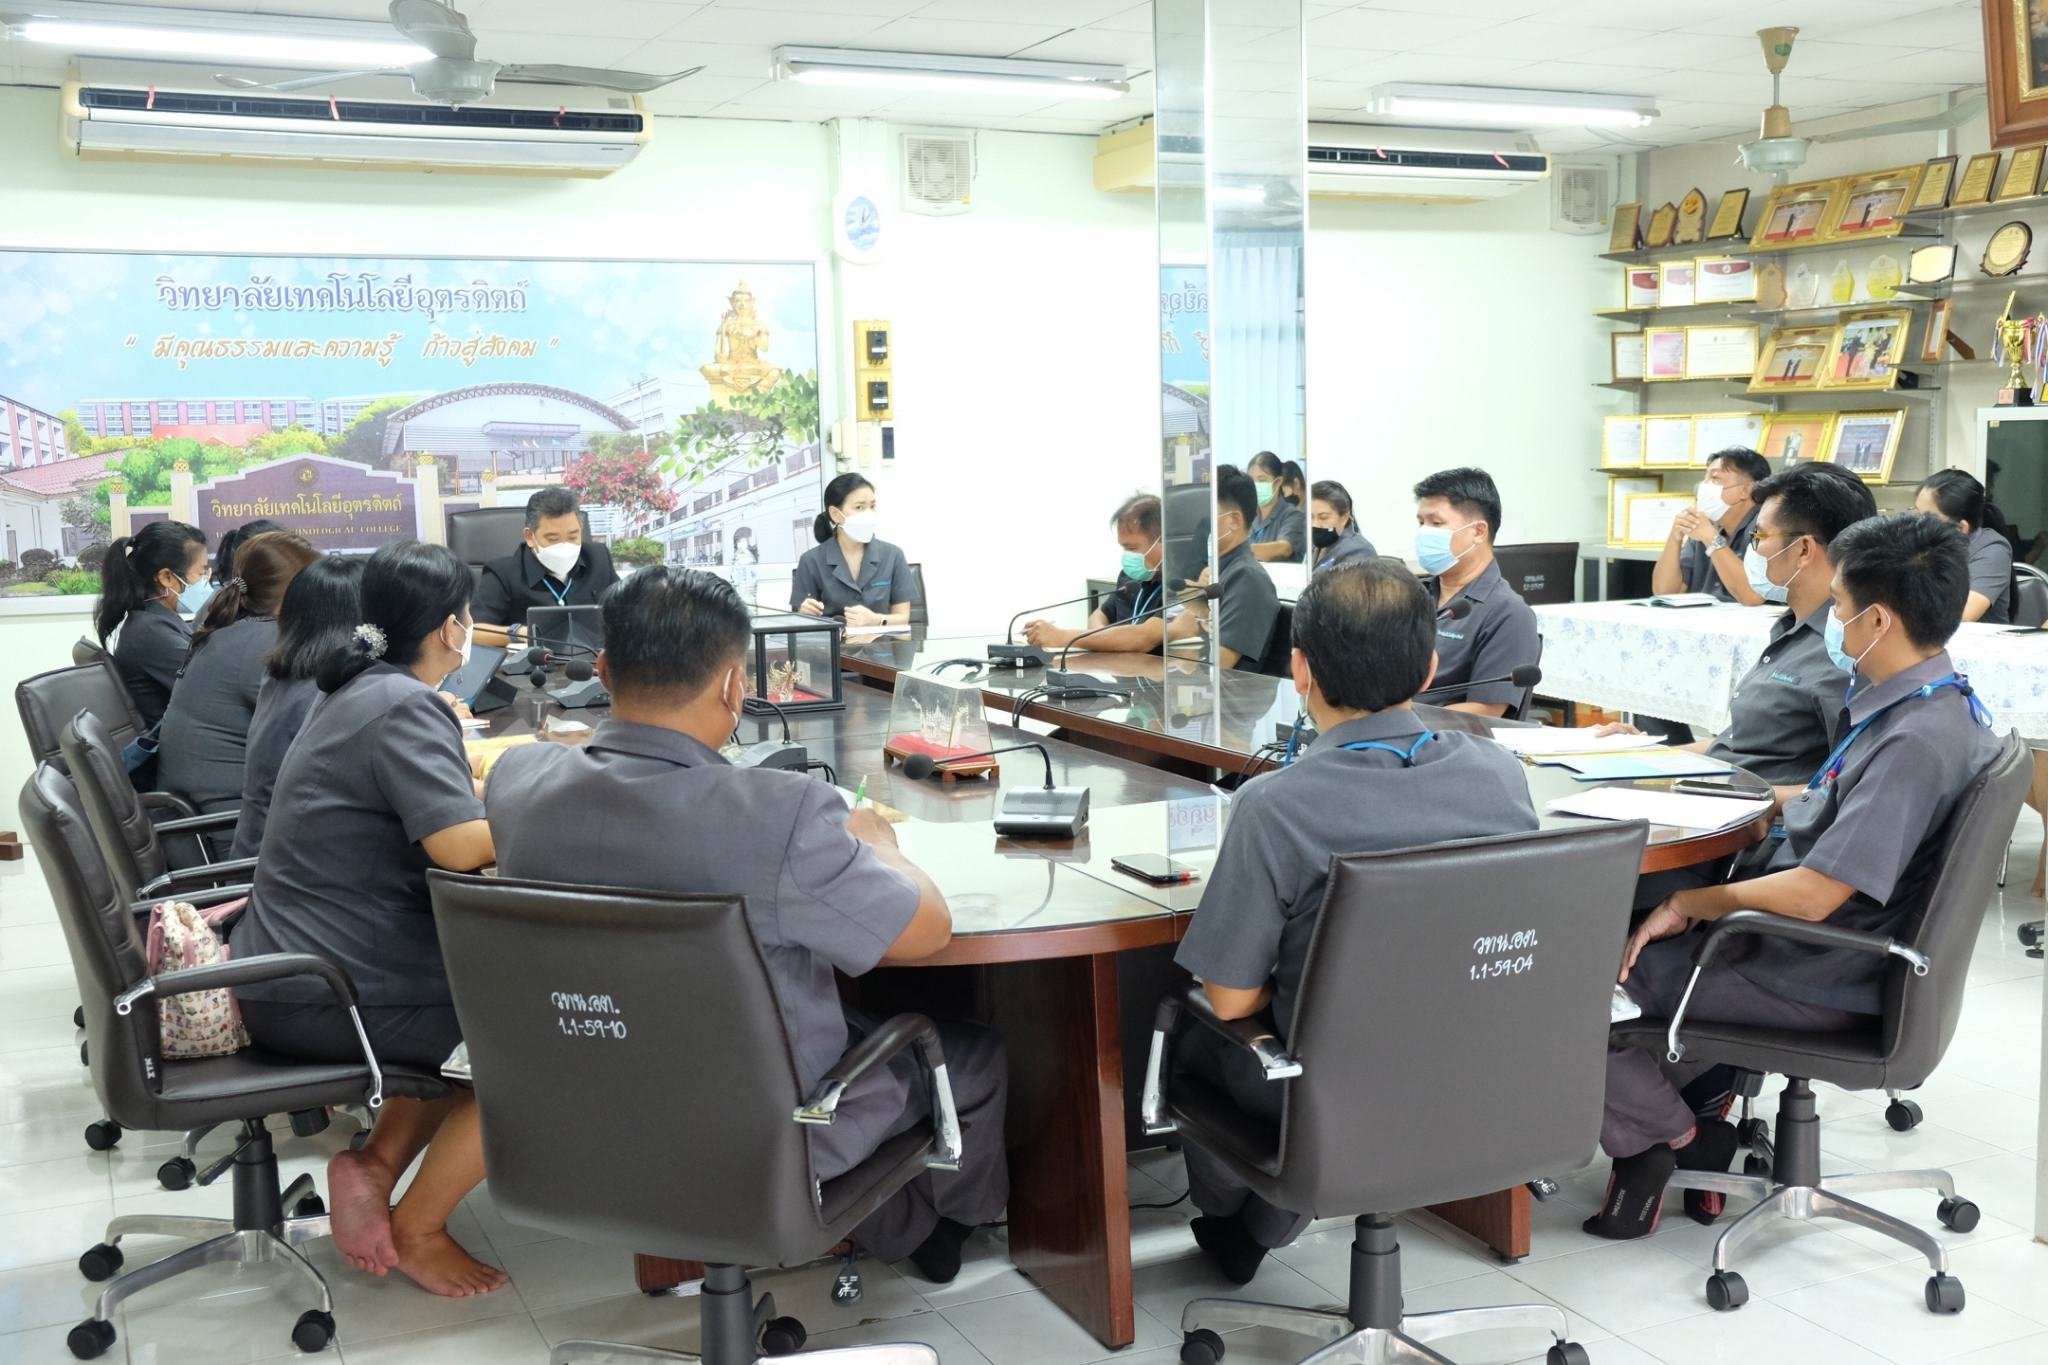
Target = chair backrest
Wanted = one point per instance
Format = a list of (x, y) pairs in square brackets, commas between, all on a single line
[(128, 842), (48, 700), (479, 535), (107, 950), (1520, 710), (1452, 1019), (920, 614), (1544, 574), (1921, 1011), (2030, 596), (634, 1075), (86, 650)]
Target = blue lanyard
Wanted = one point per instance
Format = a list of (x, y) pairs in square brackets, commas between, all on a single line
[(562, 597), (1833, 767), (1138, 607), (1407, 755)]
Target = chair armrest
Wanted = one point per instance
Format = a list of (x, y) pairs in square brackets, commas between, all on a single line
[(247, 971), (1820, 935), (201, 899), (873, 1052), (1247, 1035), (199, 824), (205, 874), (166, 801)]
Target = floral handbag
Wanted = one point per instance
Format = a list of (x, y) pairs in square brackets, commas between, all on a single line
[(201, 1023)]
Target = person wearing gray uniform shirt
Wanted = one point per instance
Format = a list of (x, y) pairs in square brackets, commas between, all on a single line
[(149, 583), (1457, 522), (1332, 530), (1377, 779), (1862, 838), (1954, 495), (850, 573), (1710, 540), (1279, 528)]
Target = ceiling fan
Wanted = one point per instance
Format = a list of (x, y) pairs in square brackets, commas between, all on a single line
[(454, 74), (1777, 153)]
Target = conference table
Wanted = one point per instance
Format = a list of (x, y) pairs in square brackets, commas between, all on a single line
[(1043, 931)]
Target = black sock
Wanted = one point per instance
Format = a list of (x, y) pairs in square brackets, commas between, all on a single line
[(937, 1258), (1635, 1193), (1712, 1149), (1230, 1246)]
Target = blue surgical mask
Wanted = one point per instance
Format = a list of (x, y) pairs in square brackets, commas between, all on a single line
[(1135, 567), (1433, 548), (194, 598), (1758, 567), (1831, 632)]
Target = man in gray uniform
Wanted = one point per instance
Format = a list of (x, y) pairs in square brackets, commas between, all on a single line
[(1377, 779), (1709, 541), (1859, 850), (1250, 608), (1457, 521), (650, 804)]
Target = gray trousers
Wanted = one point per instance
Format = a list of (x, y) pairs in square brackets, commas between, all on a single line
[(1212, 1185), (1644, 1107), (977, 1192)]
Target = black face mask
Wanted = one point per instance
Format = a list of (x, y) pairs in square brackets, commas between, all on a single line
[(1322, 537)]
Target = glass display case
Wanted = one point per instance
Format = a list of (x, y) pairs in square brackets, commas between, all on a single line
[(794, 664), (941, 719)]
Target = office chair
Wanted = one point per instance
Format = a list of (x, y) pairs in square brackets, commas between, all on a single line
[(1923, 996), (47, 700), (479, 535), (86, 650), (1479, 973), (1542, 574), (571, 998), (920, 613), (2029, 608), (141, 1088)]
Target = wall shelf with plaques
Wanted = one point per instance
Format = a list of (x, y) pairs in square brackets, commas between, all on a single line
[(1920, 229)]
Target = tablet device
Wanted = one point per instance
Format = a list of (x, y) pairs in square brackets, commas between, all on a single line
[(467, 683), (567, 632)]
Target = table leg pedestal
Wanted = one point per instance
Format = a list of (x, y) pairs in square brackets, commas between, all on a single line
[(657, 1273), (1501, 1220)]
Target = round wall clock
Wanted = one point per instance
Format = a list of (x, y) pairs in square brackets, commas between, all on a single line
[(857, 231)]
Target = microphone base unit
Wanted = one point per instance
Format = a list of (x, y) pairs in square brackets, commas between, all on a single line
[(580, 694), (1018, 656), (772, 753), (1042, 813), (1061, 677)]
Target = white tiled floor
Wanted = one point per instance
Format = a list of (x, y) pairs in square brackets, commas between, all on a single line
[(1822, 1294)]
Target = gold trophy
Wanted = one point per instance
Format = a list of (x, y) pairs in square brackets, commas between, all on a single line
[(2013, 335)]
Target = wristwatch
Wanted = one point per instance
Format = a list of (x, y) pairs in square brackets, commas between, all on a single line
[(1720, 543)]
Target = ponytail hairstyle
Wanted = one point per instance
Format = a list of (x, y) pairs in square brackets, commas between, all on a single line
[(1291, 478), (263, 567), (128, 576), (836, 494), (230, 545), (409, 589), (317, 617), (1958, 495)]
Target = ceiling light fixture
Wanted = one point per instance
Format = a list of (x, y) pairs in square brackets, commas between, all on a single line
[(155, 32), (964, 75), (1496, 108)]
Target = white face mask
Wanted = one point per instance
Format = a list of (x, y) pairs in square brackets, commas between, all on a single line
[(468, 639), (560, 558), (724, 690), (861, 526), (1711, 504)]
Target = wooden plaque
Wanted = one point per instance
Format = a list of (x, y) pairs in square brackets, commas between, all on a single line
[(1936, 182), (2022, 174), (1662, 224), (2007, 250), (1626, 232), (1692, 219), (1975, 186), (1728, 215)]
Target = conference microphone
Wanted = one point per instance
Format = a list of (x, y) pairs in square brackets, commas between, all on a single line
[(582, 688), (1060, 677), (1027, 656), (1457, 611), (1047, 812), (769, 753), (1528, 675)]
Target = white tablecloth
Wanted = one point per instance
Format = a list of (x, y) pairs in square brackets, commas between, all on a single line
[(1683, 664)]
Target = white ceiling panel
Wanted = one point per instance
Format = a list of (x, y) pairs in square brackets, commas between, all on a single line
[(594, 18)]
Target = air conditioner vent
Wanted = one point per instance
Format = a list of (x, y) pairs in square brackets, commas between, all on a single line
[(464, 116), (1398, 159)]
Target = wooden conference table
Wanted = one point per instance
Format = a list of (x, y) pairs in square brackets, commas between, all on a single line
[(1043, 925)]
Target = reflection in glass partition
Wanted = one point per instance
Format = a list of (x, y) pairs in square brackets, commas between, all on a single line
[(1180, 79)]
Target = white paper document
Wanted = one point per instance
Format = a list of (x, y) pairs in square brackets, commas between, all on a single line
[(1658, 807), (1558, 739), (857, 634)]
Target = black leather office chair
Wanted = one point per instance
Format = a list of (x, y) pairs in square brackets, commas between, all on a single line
[(143, 1089), (1479, 973), (86, 650), (709, 1165), (134, 846), (1923, 996), (2030, 596), (48, 700), (479, 535), (920, 613), (1541, 574)]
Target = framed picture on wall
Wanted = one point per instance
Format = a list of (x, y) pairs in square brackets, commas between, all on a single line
[(1626, 355), (1674, 284), (1795, 438), (1621, 442), (1639, 286), (1936, 181), (1663, 353), (1873, 204), (1975, 186), (1724, 279), (1649, 517), (2022, 174), (1792, 360), (1625, 229), (1866, 443), (1867, 347), (1720, 352), (1667, 442), (1728, 216), (2016, 71), (1796, 213), (1713, 432), (1935, 341), (1619, 491)]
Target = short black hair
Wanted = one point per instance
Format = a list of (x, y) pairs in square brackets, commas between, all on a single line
[(1743, 461), (320, 612), (670, 632), (549, 503), (1234, 489), (1334, 493), (1958, 494), (1818, 500), (1368, 628), (1913, 563), (1468, 489), (1140, 510)]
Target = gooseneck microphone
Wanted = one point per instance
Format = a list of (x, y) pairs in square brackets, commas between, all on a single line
[(1528, 675), (1047, 812), (1027, 656), (920, 766), (582, 688), (1059, 677)]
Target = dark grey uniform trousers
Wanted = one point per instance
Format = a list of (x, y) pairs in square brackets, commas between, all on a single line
[(1644, 1106), (976, 1193), (1213, 1187)]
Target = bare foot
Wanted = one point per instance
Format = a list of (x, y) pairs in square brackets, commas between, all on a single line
[(2039, 890), (359, 1207), (438, 1264)]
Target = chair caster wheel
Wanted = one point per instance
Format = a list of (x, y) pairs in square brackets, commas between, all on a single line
[(782, 1337), (1750, 1131), (2030, 937), (1201, 1347), (78, 1015), (102, 1262), (103, 1135), (1944, 1294), (309, 1206), (313, 1330), (90, 1339), (1958, 1215), (177, 1173), (1903, 1115), (1726, 1292), (1567, 1353), (85, 1054), (1755, 1165), (1544, 1188)]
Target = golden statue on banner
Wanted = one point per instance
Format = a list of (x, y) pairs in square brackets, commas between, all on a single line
[(738, 367)]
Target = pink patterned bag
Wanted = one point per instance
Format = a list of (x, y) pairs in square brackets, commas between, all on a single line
[(203, 1023)]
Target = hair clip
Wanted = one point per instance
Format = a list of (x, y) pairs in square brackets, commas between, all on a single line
[(238, 583), (372, 639)]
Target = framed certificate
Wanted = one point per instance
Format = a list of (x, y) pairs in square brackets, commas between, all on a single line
[(1795, 437), (1728, 216), (1663, 353), (1724, 279), (1937, 178), (1663, 222), (1619, 491), (1867, 347), (1639, 286), (1626, 355), (2022, 174), (1975, 186), (1714, 432), (1675, 284), (1621, 443), (1873, 204), (1649, 517), (1866, 443), (1667, 441), (1795, 214), (1626, 228), (1935, 342), (1720, 352), (1792, 360)]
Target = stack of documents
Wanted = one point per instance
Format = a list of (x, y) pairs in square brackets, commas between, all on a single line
[(1642, 765), (1553, 739), (1660, 807)]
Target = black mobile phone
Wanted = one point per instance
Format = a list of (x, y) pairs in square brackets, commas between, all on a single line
[(1703, 786), (1151, 867)]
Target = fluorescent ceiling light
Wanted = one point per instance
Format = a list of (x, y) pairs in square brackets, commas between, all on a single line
[(1496, 108), (965, 75), (156, 32)]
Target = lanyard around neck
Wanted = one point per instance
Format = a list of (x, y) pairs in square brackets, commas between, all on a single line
[(562, 597), (1407, 755), (1833, 767)]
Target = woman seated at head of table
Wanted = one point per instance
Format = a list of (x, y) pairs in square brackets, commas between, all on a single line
[(150, 582), (1955, 496), (375, 789), (1332, 530), (850, 573)]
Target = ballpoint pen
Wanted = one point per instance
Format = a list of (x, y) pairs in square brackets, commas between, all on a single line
[(860, 793)]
